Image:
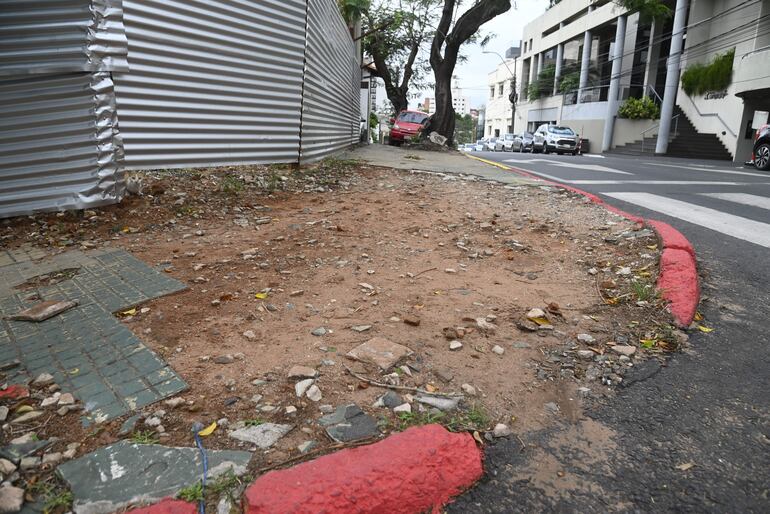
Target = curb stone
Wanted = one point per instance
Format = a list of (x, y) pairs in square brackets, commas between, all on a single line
[(678, 279)]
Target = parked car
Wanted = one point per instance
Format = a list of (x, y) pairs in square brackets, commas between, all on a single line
[(479, 146), (407, 125), (761, 153), (554, 138), (505, 143), (522, 142), (489, 144)]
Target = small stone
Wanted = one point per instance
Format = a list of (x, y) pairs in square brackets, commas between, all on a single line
[(412, 320), (552, 407), (256, 399), (440, 403), (250, 335), (306, 446), (444, 374), (585, 355), (390, 400), (360, 328), (69, 454), (320, 331), (63, 411), (450, 270), (3, 413), (302, 372), (301, 387), (43, 379), (485, 326), (264, 435), (66, 399), (326, 409), (298, 292), (223, 422), (224, 359), (129, 424), (593, 271), (29, 416), (11, 499), (52, 459), (625, 271), (499, 350), (536, 313), (314, 393), (50, 400), (626, 350), (174, 402), (379, 351), (468, 389), (291, 410), (28, 463), (152, 421), (501, 430), (586, 338), (455, 345), (404, 407), (258, 382), (6, 467)]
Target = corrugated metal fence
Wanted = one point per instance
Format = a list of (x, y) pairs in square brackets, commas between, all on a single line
[(196, 83)]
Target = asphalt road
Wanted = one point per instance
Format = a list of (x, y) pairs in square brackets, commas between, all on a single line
[(708, 409)]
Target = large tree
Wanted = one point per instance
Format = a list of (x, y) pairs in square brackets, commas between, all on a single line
[(445, 50), (396, 33)]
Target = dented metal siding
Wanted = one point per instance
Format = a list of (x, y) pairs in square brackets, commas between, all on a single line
[(211, 82), (331, 110), (61, 36), (59, 146)]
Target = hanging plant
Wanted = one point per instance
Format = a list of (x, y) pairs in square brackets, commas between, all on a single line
[(715, 76), (639, 109)]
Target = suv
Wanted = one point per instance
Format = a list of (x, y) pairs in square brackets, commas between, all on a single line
[(553, 138), (505, 143), (761, 153), (489, 144), (407, 125), (523, 142)]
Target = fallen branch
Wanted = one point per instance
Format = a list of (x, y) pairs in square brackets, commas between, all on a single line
[(400, 388), (424, 271), (313, 453)]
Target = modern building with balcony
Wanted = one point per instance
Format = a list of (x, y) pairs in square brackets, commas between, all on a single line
[(582, 59)]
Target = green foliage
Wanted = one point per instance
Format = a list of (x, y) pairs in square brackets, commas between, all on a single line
[(191, 493), (648, 9), (254, 422), (715, 76), (54, 497), (465, 129), (644, 291), (543, 85), (146, 437), (373, 121), (231, 185), (639, 109), (352, 10), (569, 82), (58, 501)]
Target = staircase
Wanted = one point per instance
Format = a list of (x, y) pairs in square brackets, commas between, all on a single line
[(687, 142)]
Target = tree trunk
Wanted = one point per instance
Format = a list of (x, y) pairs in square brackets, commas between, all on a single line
[(444, 119)]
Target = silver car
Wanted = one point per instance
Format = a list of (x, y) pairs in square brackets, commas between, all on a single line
[(505, 143), (554, 138)]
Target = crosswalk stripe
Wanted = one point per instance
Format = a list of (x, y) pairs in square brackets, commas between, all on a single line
[(709, 170), (573, 165), (735, 226), (762, 202)]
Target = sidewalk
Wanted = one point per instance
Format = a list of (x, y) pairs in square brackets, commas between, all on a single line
[(326, 311)]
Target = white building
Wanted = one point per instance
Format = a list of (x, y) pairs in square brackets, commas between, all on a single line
[(459, 102), (584, 58), (499, 108)]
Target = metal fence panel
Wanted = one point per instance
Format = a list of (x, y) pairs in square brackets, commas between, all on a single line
[(211, 82), (61, 36), (59, 145), (330, 109)]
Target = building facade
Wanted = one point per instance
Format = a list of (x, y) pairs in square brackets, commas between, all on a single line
[(582, 59)]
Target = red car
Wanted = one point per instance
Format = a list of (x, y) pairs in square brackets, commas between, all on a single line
[(406, 125)]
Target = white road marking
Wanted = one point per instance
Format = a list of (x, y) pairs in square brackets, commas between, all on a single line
[(709, 170), (735, 226), (651, 182), (574, 165), (762, 202)]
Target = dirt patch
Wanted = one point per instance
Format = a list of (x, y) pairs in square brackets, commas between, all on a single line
[(273, 255)]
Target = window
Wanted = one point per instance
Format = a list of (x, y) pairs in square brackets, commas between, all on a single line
[(500, 89), (491, 91), (565, 131), (525, 47), (497, 133), (412, 117)]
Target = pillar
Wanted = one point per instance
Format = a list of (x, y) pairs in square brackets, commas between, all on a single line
[(612, 97), (653, 54), (540, 59), (557, 75), (584, 64), (672, 77)]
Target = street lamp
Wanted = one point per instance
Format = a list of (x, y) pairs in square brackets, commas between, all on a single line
[(512, 97)]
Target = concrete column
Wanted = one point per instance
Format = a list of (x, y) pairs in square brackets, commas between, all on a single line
[(612, 97), (672, 77), (557, 75), (584, 64), (540, 59), (653, 54)]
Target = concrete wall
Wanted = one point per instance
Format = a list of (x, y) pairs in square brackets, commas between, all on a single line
[(629, 131)]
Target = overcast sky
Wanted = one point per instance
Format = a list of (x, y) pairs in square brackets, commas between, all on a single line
[(508, 29)]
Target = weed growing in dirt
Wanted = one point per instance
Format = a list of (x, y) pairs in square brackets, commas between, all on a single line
[(231, 185), (255, 422), (191, 493), (55, 498), (473, 419), (144, 437), (226, 484), (644, 291), (413, 419)]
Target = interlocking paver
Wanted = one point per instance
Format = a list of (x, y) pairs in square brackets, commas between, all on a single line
[(87, 349)]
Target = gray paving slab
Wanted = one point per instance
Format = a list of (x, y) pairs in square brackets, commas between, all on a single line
[(87, 349), (116, 476)]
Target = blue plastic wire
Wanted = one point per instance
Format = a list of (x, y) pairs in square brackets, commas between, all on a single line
[(199, 444)]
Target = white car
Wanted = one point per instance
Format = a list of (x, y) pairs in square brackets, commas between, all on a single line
[(554, 138), (505, 143), (489, 144), (479, 146)]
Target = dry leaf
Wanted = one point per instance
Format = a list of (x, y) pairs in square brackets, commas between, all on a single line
[(705, 329), (208, 430), (685, 466)]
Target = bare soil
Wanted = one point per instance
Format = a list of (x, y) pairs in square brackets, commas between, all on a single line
[(270, 255)]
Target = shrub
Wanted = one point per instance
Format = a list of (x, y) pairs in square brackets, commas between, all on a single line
[(639, 109), (569, 82), (715, 76)]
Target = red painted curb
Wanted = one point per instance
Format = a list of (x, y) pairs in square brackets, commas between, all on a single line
[(418, 470), (678, 278), (167, 506)]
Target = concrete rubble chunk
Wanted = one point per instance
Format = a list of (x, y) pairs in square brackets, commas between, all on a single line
[(405, 407), (11, 499), (110, 478), (43, 379), (302, 372), (390, 400), (44, 310), (314, 393), (3, 413), (349, 423), (501, 430), (301, 387), (626, 350), (27, 417), (379, 351), (264, 435), (444, 404), (6, 467), (485, 326)]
